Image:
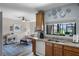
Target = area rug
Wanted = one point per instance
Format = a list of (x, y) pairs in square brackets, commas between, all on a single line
[(17, 49)]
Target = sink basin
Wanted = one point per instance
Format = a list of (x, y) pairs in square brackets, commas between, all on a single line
[(56, 40)]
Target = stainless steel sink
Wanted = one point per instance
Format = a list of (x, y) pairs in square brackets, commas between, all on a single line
[(56, 40)]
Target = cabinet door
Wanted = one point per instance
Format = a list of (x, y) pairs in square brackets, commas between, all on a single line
[(74, 49), (33, 46), (49, 49), (71, 51), (58, 50), (39, 20)]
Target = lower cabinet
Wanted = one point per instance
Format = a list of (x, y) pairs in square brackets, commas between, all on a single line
[(71, 51), (58, 50), (49, 49), (53, 49)]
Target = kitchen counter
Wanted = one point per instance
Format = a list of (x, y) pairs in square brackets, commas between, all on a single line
[(67, 43)]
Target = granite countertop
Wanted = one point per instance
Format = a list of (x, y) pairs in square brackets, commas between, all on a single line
[(66, 43), (62, 43)]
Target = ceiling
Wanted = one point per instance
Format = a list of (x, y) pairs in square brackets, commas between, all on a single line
[(28, 10), (34, 5), (31, 7)]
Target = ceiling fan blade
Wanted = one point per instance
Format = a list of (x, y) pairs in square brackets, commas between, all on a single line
[(23, 18), (26, 19)]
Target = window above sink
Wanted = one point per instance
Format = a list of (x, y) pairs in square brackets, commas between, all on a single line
[(61, 29)]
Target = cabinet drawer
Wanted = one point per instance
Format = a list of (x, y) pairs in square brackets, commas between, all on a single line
[(57, 46), (74, 49)]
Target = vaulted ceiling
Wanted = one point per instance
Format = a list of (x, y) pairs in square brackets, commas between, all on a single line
[(31, 7)]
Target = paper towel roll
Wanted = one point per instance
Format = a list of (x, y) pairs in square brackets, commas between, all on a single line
[(75, 38)]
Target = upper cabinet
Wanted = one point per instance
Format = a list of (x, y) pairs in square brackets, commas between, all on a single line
[(40, 21)]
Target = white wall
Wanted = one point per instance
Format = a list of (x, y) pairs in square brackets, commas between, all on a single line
[(10, 17), (73, 16), (32, 27), (27, 28)]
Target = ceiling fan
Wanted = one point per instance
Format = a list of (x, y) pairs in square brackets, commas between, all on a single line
[(23, 19)]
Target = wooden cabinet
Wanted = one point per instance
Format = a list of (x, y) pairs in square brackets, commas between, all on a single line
[(71, 51), (53, 49), (48, 49), (34, 46), (40, 21), (58, 50)]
